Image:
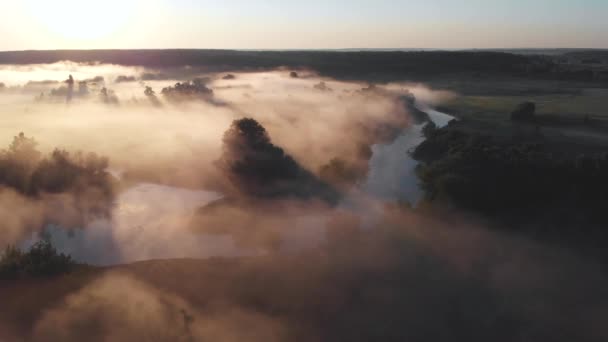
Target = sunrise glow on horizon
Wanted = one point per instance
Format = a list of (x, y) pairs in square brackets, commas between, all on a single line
[(273, 24)]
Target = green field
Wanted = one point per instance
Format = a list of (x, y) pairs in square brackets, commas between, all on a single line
[(591, 102)]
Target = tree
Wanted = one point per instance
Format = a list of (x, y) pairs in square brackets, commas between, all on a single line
[(188, 91), (41, 260), (108, 96), (258, 168), (83, 176), (70, 83), (18, 162), (149, 92), (123, 79), (151, 95)]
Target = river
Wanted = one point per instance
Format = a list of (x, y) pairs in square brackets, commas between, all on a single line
[(150, 221), (392, 174)]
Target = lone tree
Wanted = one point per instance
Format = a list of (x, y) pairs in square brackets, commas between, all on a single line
[(258, 168), (151, 95), (149, 91), (70, 83)]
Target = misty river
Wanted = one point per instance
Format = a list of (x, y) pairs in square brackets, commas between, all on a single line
[(149, 221), (392, 174)]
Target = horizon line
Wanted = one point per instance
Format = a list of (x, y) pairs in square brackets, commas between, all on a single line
[(412, 49)]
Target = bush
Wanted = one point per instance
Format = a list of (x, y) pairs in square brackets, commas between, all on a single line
[(41, 260)]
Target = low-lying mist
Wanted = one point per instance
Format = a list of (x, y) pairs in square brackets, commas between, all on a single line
[(171, 132), (301, 180)]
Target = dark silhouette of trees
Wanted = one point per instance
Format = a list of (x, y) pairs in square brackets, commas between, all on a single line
[(409, 102), (70, 91), (149, 76), (18, 162), (188, 91), (41, 260), (149, 92), (85, 176), (151, 95), (125, 79), (514, 181), (108, 96), (258, 168)]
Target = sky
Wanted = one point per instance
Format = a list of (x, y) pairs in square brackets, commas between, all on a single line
[(310, 24)]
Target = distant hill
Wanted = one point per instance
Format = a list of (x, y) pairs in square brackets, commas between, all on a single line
[(368, 65)]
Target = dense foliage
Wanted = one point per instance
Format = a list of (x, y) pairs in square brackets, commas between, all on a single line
[(186, 91), (42, 259), (513, 181), (24, 169), (257, 167)]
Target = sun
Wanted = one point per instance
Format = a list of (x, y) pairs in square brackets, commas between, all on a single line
[(84, 20)]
